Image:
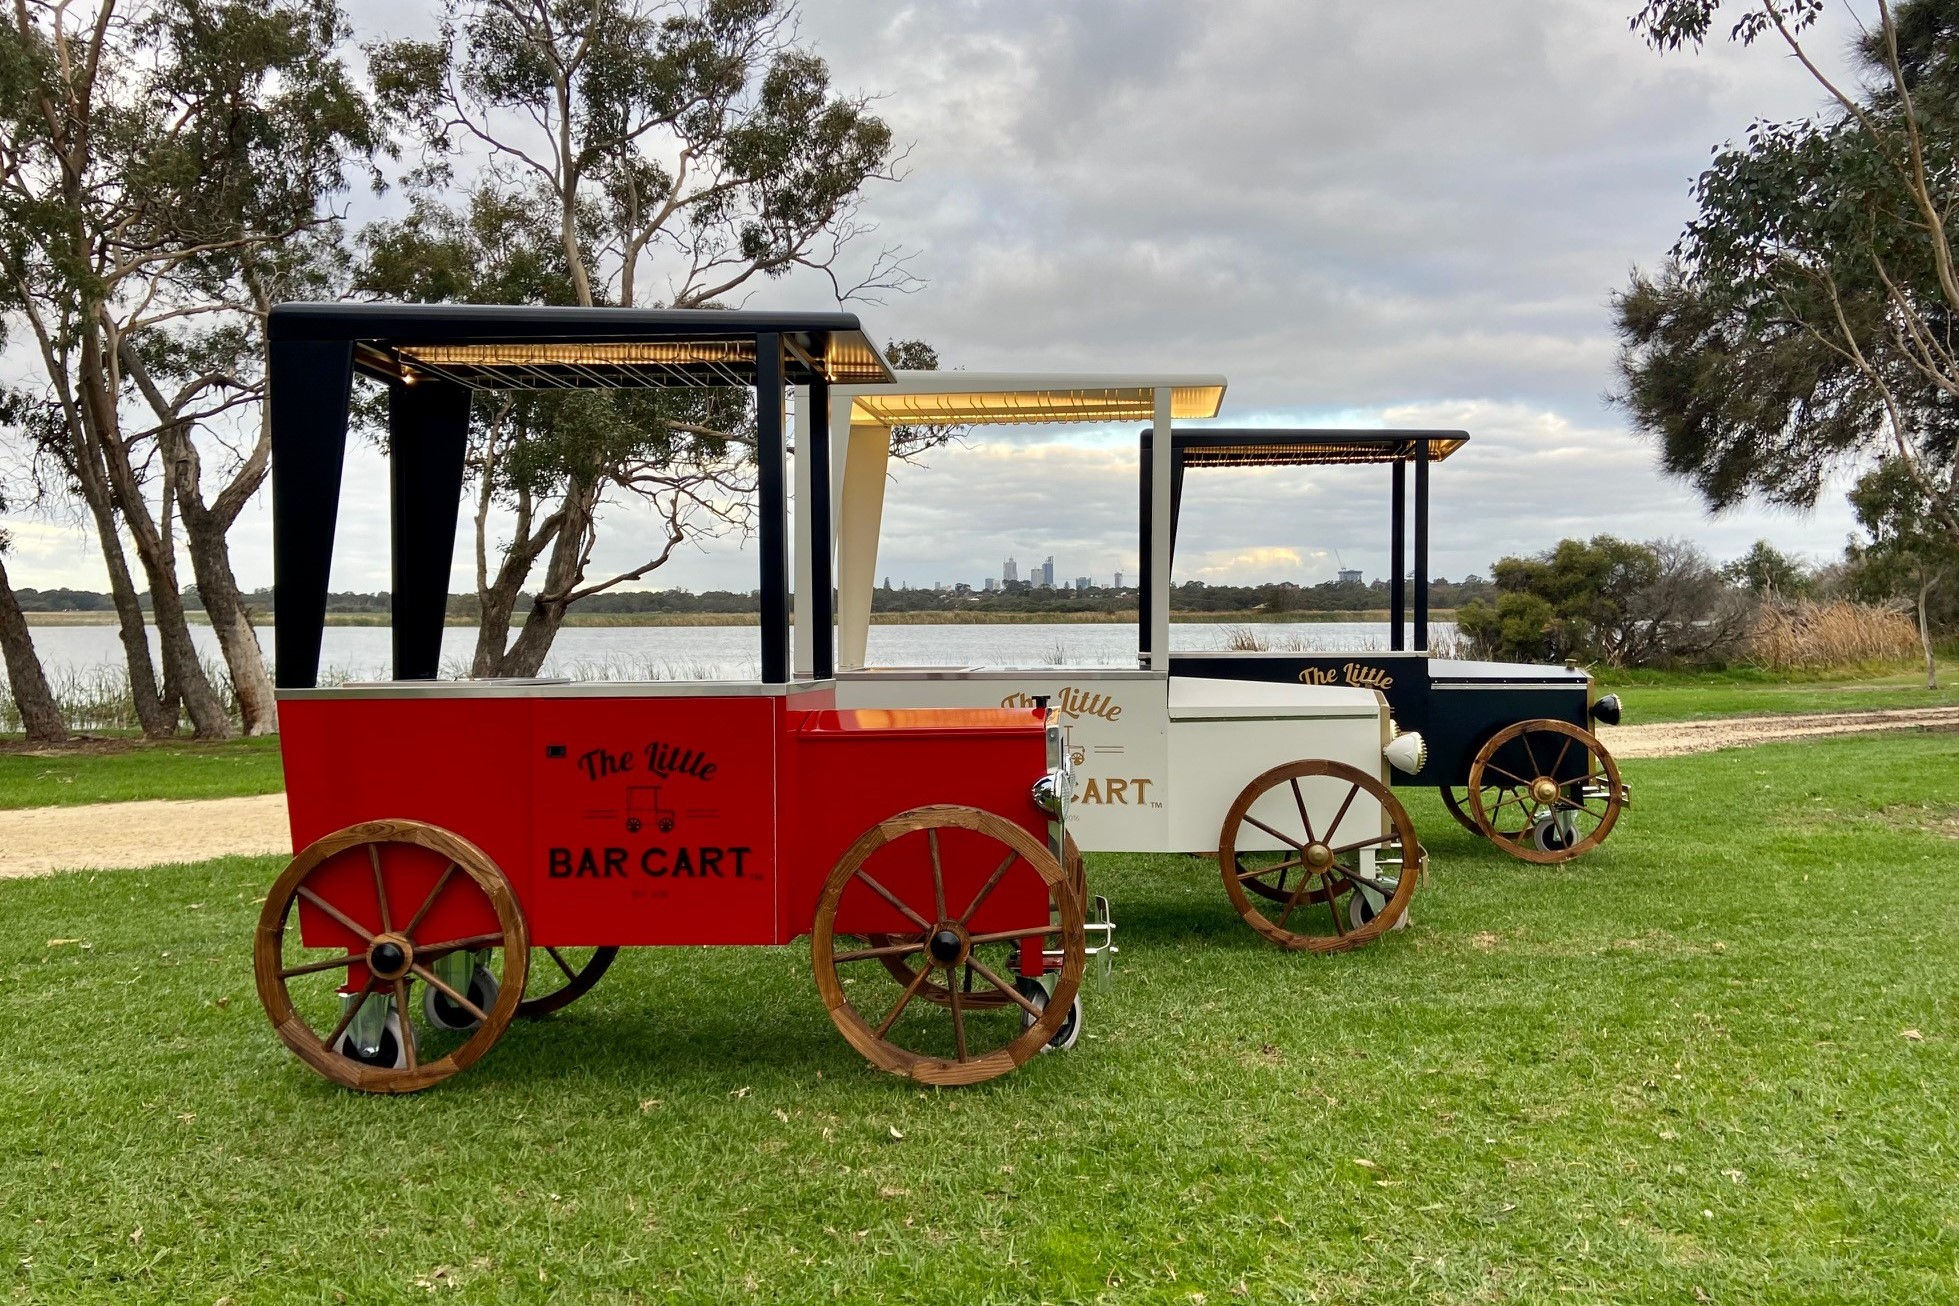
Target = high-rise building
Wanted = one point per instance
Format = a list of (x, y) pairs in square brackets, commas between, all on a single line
[(1118, 580), (992, 584), (1047, 572), (1010, 573), (1082, 582), (1350, 575)]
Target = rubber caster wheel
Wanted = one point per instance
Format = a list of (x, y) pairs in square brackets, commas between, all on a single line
[(390, 1054), (1071, 1028), (1364, 904), (443, 1011), (1553, 833)]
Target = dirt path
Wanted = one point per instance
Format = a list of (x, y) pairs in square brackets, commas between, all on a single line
[(37, 840), (1673, 738)]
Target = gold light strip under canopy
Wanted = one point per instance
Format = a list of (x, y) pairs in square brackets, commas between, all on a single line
[(1314, 453), (570, 365), (1062, 404)]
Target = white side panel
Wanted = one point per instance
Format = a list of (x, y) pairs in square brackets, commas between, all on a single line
[(1158, 542), (803, 645), (858, 521), (1211, 761), (1116, 723)]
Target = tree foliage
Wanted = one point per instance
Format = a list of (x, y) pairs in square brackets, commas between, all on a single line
[(1801, 326), (1904, 554)]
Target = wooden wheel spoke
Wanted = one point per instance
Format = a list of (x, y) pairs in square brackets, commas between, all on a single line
[(904, 1000), (1305, 883), (958, 1021), (1305, 820), (436, 982), (421, 912), (1003, 936), (563, 965), (347, 1016), (1341, 815), (885, 950), (380, 888), (1283, 866), (986, 890), (342, 917), (1561, 756), (938, 874), (407, 1030), (472, 943), (1508, 775), (1333, 907), (986, 973), (1358, 844), (893, 899), (1285, 839), (331, 963), (1529, 752)]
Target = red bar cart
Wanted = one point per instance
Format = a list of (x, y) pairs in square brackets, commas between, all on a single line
[(472, 851)]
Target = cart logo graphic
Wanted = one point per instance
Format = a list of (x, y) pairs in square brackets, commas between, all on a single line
[(1361, 677), (1072, 703), (656, 758), (643, 809)]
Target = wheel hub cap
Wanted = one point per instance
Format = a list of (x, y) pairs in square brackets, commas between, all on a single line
[(1319, 856), (1544, 789), (389, 957), (945, 946)]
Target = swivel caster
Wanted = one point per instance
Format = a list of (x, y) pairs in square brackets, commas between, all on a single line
[(1071, 1028), (381, 1046), (444, 1012)]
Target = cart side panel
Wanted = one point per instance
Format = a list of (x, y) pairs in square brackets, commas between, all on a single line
[(861, 766), (460, 766), (1211, 762), (655, 820)]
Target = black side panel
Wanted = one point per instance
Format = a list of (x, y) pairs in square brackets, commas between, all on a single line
[(308, 384), (428, 429)]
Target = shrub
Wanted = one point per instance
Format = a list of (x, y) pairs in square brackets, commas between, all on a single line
[(1812, 636)]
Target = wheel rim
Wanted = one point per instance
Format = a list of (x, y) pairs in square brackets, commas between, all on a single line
[(1307, 810), (381, 902), (934, 865), (1511, 788), (982, 996), (561, 977)]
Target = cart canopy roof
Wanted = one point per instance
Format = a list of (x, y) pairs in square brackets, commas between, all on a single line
[(1001, 398), (1311, 447), (498, 347)]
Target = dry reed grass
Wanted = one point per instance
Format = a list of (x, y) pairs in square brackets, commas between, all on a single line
[(1816, 636)]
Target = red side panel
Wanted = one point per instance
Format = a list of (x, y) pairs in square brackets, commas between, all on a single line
[(860, 767), (655, 820)]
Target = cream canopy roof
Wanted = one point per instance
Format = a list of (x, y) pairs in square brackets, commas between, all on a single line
[(1002, 398)]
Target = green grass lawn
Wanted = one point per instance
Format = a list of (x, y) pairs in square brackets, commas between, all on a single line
[(1711, 1062), (109, 771), (1688, 695)]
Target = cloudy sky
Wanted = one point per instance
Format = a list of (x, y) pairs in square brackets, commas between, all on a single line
[(1362, 212)]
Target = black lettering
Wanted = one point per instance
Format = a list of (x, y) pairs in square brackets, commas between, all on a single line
[(587, 864), (615, 861), (560, 863), (741, 855), (682, 863), (647, 864), (711, 862)]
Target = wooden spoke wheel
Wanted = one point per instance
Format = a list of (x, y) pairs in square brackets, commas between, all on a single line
[(1530, 797), (902, 862), (1292, 839), (903, 967), (561, 977), (383, 906), (1494, 801)]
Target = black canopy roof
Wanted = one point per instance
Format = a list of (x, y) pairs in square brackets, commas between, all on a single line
[(1312, 447), (525, 347)]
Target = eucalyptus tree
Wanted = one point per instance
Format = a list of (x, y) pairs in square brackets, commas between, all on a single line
[(628, 153), (155, 159), (1903, 554), (40, 715), (1802, 327)]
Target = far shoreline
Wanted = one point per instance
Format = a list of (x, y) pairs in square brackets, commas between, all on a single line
[(942, 618)]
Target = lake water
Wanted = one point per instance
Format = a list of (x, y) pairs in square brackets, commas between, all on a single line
[(733, 652)]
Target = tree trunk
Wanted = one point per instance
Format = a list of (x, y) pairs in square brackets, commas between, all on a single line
[(561, 575), (210, 560), (155, 719), (1925, 634), (39, 715)]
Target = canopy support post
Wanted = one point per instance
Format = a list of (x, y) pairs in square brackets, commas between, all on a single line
[(1421, 546), (428, 433), (772, 491), (1157, 529), (866, 456), (1398, 558), (804, 643), (813, 452), (309, 384)]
